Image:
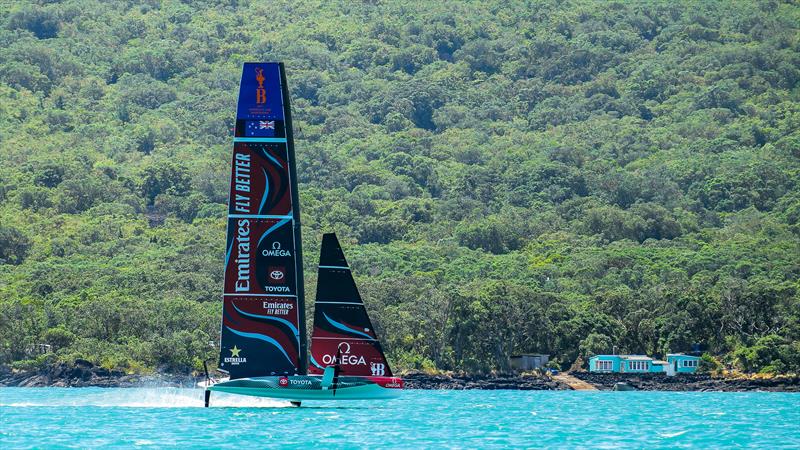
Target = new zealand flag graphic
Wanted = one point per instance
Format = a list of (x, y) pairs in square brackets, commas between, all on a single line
[(260, 128)]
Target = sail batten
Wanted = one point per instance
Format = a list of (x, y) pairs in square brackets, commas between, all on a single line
[(340, 339), (338, 303), (244, 139), (263, 321)]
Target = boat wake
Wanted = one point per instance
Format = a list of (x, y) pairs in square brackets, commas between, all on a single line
[(147, 398)]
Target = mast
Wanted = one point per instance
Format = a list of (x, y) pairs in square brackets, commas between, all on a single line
[(263, 315), (298, 241)]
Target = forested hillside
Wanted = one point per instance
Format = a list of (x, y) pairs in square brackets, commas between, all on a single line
[(505, 177)]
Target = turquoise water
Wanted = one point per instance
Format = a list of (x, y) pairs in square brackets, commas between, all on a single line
[(165, 417)]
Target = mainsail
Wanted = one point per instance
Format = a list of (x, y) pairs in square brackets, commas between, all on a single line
[(263, 317), (343, 334)]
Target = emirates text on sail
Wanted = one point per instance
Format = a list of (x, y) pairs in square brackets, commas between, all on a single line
[(243, 255), (279, 309)]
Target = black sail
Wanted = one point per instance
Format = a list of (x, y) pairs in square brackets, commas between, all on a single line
[(343, 334), (263, 317)]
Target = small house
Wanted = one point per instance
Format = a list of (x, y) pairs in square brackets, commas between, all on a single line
[(681, 363), (529, 361), (623, 364), (675, 363)]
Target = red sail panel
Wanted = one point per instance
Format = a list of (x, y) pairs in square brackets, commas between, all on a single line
[(356, 357), (263, 321), (261, 257), (264, 333), (260, 183), (343, 334)]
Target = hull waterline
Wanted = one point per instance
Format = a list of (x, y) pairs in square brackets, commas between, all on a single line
[(311, 388)]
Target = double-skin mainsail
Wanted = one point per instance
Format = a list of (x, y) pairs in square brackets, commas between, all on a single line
[(263, 319)]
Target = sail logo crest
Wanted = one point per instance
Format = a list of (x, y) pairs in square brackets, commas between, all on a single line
[(277, 274), (344, 357), (261, 93), (278, 308), (276, 251), (235, 359), (378, 369)]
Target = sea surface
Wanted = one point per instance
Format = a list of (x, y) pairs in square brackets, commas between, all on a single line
[(170, 417)]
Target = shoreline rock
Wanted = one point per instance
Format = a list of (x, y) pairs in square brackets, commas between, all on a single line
[(418, 380), (688, 382)]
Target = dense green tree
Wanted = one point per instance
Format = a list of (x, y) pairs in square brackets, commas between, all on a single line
[(505, 177), (14, 245)]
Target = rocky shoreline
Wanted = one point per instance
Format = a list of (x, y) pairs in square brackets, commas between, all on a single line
[(689, 382), (417, 380), (84, 374)]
